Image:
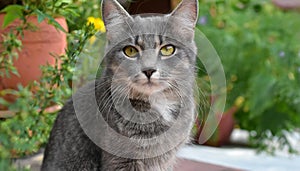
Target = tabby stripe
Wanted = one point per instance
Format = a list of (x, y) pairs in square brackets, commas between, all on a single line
[(136, 40), (160, 39)]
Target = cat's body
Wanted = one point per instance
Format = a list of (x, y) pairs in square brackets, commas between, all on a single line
[(145, 94)]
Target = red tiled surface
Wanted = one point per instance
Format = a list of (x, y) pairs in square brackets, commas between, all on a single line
[(188, 165)]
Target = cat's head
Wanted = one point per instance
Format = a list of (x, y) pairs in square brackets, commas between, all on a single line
[(150, 53)]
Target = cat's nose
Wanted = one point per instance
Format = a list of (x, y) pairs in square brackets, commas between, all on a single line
[(148, 72)]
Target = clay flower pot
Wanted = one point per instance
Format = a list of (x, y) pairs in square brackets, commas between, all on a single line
[(37, 46), (223, 132), (36, 51), (287, 4)]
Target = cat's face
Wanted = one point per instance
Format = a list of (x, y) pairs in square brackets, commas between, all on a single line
[(149, 54)]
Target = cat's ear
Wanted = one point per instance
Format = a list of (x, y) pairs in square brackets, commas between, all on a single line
[(113, 13), (187, 12)]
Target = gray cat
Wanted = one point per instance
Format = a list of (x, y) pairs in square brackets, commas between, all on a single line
[(141, 110)]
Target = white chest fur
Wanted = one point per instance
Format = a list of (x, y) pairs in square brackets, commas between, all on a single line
[(163, 105)]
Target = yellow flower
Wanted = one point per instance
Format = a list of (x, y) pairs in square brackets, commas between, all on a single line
[(233, 78), (291, 76), (98, 23), (239, 101)]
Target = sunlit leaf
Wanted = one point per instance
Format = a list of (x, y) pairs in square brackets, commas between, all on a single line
[(12, 13)]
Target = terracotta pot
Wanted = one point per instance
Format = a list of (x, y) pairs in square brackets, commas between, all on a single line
[(224, 129), (37, 46), (287, 4)]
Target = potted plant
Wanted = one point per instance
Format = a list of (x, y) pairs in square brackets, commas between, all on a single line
[(25, 126), (261, 62), (32, 34)]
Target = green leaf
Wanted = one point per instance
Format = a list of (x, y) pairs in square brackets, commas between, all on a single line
[(3, 101), (12, 13), (51, 20), (56, 24), (40, 15)]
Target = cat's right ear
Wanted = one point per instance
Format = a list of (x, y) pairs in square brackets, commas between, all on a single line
[(113, 13)]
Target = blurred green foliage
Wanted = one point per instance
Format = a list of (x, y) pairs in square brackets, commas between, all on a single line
[(260, 51)]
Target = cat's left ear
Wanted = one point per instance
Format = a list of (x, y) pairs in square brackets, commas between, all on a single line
[(187, 12), (113, 13)]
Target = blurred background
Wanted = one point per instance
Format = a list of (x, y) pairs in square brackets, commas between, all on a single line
[(258, 42)]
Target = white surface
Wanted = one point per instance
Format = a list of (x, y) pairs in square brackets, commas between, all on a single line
[(240, 158)]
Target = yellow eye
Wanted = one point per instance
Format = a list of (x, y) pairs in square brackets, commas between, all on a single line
[(167, 50), (130, 51)]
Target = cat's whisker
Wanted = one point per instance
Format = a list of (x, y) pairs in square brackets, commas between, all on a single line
[(124, 94)]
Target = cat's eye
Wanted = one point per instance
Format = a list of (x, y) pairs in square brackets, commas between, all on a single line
[(167, 50), (130, 51)]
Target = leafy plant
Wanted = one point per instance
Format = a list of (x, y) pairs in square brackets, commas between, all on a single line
[(28, 130), (21, 10), (10, 45), (43, 9), (259, 48)]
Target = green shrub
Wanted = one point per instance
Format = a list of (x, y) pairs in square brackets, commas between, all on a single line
[(260, 51)]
